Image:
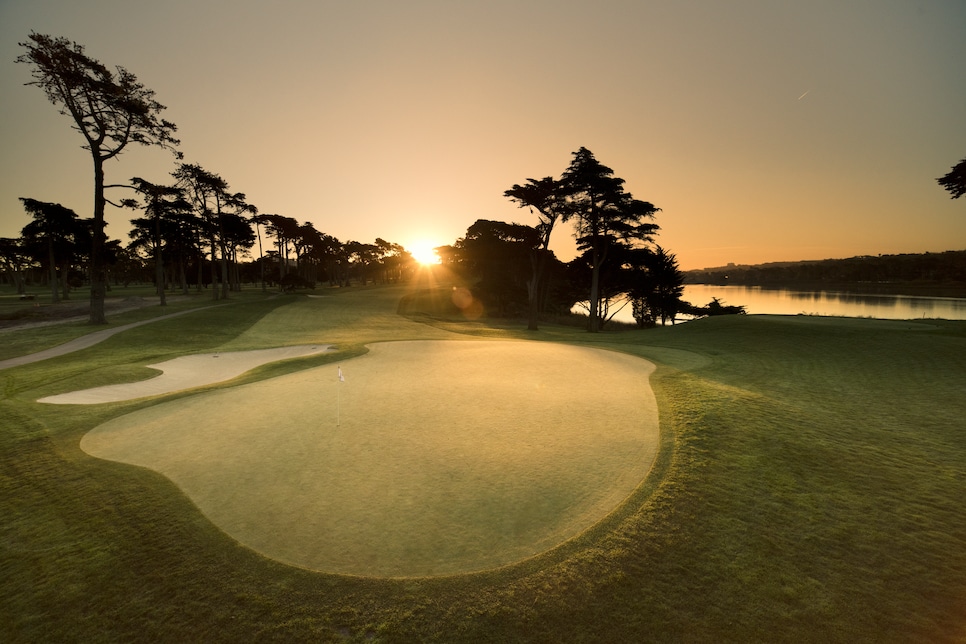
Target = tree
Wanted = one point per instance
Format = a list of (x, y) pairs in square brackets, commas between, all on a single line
[(604, 215), (395, 261), (53, 232), (495, 256), (207, 192), (331, 252), (361, 256), (13, 259), (546, 196), (237, 236), (955, 180), (258, 220), (160, 203), (110, 109), (284, 230), (656, 287)]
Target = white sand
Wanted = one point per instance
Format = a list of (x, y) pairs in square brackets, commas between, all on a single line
[(186, 372)]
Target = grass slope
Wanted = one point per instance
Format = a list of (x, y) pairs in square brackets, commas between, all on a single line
[(809, 488)]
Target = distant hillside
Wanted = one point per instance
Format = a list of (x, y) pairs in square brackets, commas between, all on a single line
[(937, 274)]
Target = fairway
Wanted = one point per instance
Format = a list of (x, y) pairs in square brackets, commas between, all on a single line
[(806, 485), (433, 458)]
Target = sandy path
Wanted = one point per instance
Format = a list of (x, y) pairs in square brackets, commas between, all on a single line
[(186, 372), (86, 341)]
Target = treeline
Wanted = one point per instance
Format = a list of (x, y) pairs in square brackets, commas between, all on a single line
[(192, 229), (179, 247), (194, 224), (941, 274)]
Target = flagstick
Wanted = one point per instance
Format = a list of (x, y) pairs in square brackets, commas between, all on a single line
[(338, 399)]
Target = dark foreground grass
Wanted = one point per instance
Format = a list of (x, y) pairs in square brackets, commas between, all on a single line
[(810, 488)]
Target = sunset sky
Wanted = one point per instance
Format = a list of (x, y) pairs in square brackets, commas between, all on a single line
[(765, 130)]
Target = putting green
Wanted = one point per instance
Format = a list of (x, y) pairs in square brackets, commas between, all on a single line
[(432, 458)]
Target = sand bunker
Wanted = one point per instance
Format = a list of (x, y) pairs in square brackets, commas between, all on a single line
[(184, 373), (432, 458)]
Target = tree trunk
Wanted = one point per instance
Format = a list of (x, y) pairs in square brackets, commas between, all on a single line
[(18, 280), (224, 274), (54, 293), (158, 261), (183, 273), (64, 286), (536, 263), (261, 256), (98, 285), (159, 276), (224, 256), (594, 325), (214, 269)]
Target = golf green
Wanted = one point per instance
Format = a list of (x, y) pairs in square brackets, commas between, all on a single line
[(431, 458)]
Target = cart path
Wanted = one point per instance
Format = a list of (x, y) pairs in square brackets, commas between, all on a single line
[(88, 340)]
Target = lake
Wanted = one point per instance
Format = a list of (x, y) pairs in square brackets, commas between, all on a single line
[(831, 303)]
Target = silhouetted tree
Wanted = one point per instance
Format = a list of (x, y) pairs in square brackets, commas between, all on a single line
[(604, 215), (52, 237), (184, 244), (717, 307), (547, 197), (235, 235), (14, 260), (394, 261), (284, 230), (495, 256), (656, 287), (110, 109), (208, 192), (258, 220), (955, 180), (330, 251), (361, 258), (160, 203)]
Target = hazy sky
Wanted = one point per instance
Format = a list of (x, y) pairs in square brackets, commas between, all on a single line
[(764, 129)]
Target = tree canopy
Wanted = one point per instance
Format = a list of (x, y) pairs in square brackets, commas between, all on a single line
[(51, 238), (604, 216), (548, 199), (954, 181), (110, 109)]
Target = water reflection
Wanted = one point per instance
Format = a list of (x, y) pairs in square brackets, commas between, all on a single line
[(757, 300), (782, 302)]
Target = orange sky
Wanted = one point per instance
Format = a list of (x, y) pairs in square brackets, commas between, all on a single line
[(765, 131)]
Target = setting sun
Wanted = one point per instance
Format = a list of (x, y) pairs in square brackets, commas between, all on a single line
[(422, 251)]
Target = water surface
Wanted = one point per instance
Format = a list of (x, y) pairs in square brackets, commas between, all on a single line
[(758, 300)]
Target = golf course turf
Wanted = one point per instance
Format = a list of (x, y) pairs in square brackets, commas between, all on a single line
[(435, 458), (186, 372), (808, 487)]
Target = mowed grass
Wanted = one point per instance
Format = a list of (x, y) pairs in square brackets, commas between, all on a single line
[(436, 457), (809, 488)]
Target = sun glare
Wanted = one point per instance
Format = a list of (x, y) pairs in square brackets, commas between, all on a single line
[(422, 251)]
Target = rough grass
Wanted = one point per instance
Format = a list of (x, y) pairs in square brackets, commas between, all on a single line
[(810, 489)]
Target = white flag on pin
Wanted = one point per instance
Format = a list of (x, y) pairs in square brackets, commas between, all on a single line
[(341, 377)]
